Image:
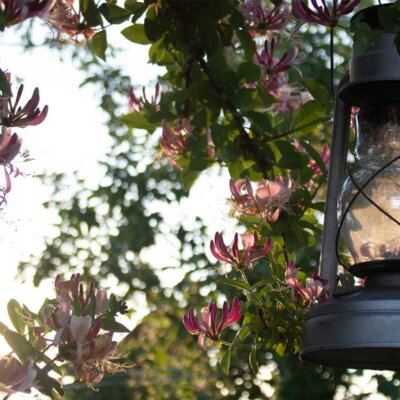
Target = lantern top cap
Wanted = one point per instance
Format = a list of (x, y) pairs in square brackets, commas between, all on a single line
[(374, 72)]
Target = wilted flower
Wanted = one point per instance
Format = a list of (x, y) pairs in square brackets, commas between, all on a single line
[(259, 19), (321, 13), (16, 11), (267, 200), (15, 376), (273, 69), (30, 114), (137, 103), (65, 19), (290, 99), (205, 324), (315, 286), (232, 255), (174, 140)]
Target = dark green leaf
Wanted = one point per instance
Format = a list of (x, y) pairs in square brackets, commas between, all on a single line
[(249, 72), (99, 44), (314, 155), (235, 283), (114, 14), (247, 44), (136, 34), (4, 85), (226, 362), (209, 38), (90, 12), (188, 178), (253, 360), (317, 90), (309, 116), (110, 324)]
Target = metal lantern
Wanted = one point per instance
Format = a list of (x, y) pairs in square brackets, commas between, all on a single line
[(359, 327)]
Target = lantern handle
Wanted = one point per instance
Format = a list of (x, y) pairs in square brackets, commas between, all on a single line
[(339, 148)]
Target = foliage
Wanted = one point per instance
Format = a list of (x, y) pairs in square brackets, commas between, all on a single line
[(244, 88)]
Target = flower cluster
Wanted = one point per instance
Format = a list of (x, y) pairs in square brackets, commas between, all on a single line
[(174, 140), (267, 200), (16, 11), (12, 115), (14, 376), (273, 69), (314, 290), (67, 20), (232, 255), (205, 324), (321, 14), (77, 317), (290, 99), (260, 19), (137, 103)]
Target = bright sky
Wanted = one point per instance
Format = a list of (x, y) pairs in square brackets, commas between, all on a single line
[(73, 138)]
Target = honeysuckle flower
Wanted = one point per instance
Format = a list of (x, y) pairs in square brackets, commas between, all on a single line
[(80, 328), (13, 115), (205, 324), (273, 69), (10, 146), (101, 301), (232, 255), (16, 11), (57, 317), (290, 99), (15, 376), (67, 20), (321, 13), (260, 19), (210, 144), (137, 103), (267, 200), (325, 157), (174, 140), (312, 292)]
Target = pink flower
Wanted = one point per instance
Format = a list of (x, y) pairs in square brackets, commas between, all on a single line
[(290, 99), (259, 19), (267, 200), (137, 104), (66, 20), (10, 146), (57, 317), (15, 376), (16, 11), (205, 324), (272, 68), (30, 114), (231, 255), (325, 157), (174, 140), (321, 13), (314, 290), (210, 144)]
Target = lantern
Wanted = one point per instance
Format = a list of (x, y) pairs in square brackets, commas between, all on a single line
[(359, 327)]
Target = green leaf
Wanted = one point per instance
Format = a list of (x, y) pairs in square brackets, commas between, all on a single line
[(5, 87), (22, 348), (48, 386), (317, 90), (138, 121), (16, 314), (235, 283), (3, 328), (226, 362), (114, 14), (253, 360), (110, 324), (291, 158), (209, 38), (99, 44), (309, 116), (90, 12), (136, 34), (280, 349), (247, 44), (315, 156), (249, 72), (188, 178)]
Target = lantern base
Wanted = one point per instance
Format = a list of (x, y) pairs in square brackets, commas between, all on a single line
[(355, 329)]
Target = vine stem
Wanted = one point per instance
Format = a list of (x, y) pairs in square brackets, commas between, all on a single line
[(332, 37)]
